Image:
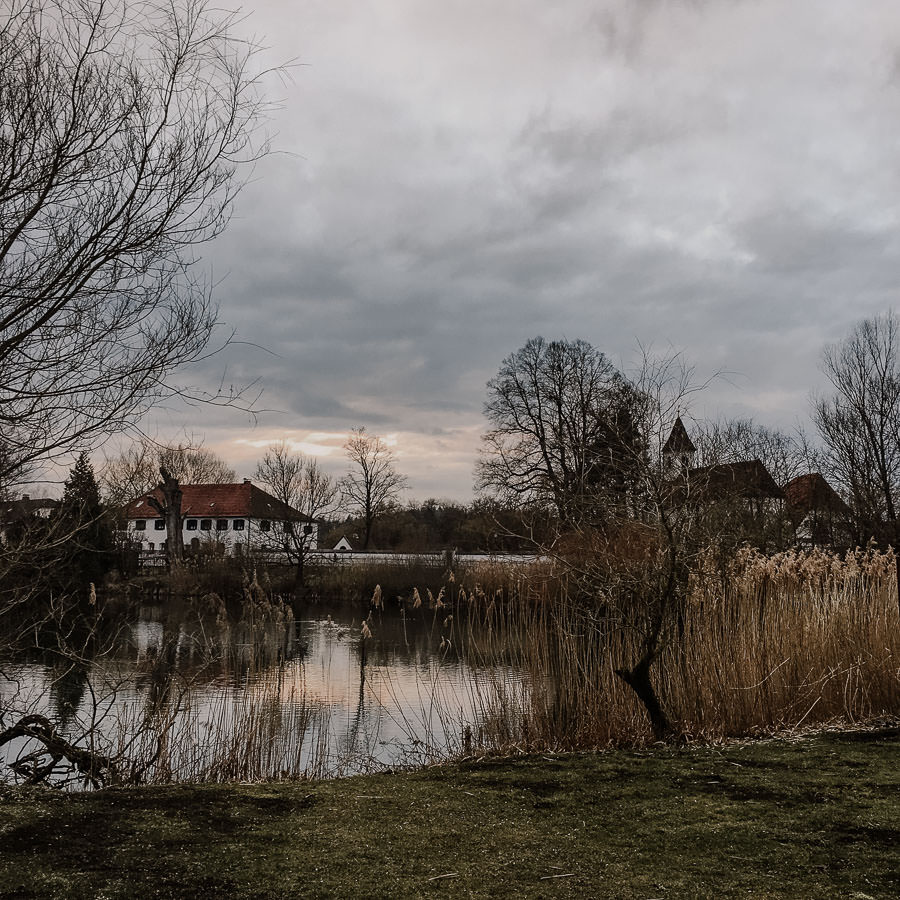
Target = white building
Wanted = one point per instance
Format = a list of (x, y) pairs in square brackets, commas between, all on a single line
[(225, 518)]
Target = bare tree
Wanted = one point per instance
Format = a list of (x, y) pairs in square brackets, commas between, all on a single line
[(135, 471), (860, 425), (631, 562), (307, 492), (373, 482), (784, 455), (562, 429), (123, 126)]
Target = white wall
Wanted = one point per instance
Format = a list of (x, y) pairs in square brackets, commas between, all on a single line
[(252, 532)]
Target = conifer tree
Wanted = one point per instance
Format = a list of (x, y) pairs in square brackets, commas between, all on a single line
[(81, 512)]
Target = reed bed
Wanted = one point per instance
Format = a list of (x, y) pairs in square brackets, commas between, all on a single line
[(769, 643), (264, 731), (355, 582), (787, 640)]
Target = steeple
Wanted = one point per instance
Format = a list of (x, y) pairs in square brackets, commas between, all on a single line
[(678, 451)]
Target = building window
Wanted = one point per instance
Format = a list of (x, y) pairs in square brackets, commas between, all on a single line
[(265, 525), (206, 524), (288, 527), (159, 524), (307, 529), (191, 524), (221, 524), (152, 546), (140, 525), (238, 525)]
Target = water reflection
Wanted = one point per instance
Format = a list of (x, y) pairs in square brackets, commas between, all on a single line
[(204, 697), (68, 686)]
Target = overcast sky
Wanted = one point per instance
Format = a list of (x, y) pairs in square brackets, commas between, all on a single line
[(455, 177)]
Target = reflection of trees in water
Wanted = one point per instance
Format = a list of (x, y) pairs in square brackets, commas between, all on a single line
[(412, 637), (176, 668), (67, 690), (202, 649), (156, 676), (358, 720)]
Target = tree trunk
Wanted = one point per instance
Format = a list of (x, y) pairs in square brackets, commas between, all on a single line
[(299, 577), (638, 679), (170, 510)]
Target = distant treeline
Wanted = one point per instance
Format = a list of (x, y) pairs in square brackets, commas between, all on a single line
[(483, 526)]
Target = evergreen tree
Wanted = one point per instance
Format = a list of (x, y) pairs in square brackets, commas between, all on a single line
[(90, 540)]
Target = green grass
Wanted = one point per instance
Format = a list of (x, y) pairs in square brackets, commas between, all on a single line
[(813, 818)]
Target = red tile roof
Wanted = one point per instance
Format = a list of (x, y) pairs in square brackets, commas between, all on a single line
[(220, 500), (812, 491), (748, 478)]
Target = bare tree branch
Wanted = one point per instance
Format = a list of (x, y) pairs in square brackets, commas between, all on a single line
[(123, 127), (306, 491), (860, 426)]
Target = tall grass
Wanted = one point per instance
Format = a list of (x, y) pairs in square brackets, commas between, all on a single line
[(791, 639), (768, 643), (264, 730), (355, 581)]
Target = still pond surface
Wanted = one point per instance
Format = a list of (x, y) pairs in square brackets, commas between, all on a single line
[(194, 697)]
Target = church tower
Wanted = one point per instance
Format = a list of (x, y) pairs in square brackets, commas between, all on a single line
[(678, 451)]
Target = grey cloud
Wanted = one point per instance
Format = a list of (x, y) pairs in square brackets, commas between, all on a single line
[(681, 174)]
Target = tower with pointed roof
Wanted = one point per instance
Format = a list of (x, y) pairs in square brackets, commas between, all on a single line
[(678, 451)]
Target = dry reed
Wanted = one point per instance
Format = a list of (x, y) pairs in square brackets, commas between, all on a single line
[(795, 639)]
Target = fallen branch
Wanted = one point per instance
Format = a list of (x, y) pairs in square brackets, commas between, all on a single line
[(98, 769)]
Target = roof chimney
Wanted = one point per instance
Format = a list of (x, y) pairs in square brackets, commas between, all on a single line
[(247, 481)]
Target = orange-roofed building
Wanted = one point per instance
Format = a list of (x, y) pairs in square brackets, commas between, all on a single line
[(236, 518), (818, 515)]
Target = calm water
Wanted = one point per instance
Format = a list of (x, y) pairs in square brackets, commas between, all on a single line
[(282, 696)]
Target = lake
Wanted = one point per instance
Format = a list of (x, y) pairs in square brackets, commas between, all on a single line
[(180, 693)]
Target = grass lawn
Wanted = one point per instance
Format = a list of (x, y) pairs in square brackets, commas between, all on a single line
[(813, 818)]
